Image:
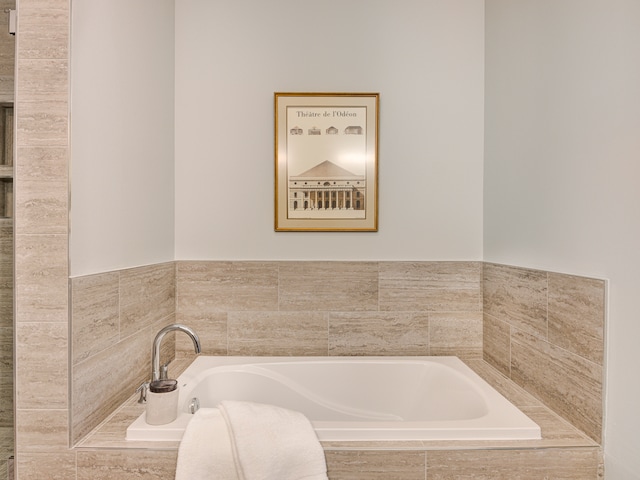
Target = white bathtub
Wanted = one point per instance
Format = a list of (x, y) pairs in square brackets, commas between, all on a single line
[(354, 398)]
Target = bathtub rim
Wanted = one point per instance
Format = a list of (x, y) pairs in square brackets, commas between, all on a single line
[(140, 431)]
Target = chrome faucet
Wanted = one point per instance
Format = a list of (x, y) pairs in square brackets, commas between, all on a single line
[(156, 373)]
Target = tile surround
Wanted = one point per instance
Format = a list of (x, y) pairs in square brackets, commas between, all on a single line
[(563, 452), (376, 465), (379, 333), (329, 308), (545, 331), (115, 318), (518, 294), (277, 333), (431, 286), (247, 308), (238, 309), (95, 312), (328, 286), (529, 464), (576, 315)]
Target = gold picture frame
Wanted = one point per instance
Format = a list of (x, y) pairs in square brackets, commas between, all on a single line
[(326, 161)]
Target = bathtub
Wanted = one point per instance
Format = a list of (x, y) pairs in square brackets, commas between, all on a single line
[(354, 398)]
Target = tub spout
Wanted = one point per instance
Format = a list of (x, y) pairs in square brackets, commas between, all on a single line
[(155, 351)]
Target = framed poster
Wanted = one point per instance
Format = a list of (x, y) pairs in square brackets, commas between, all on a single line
[(326, 161)]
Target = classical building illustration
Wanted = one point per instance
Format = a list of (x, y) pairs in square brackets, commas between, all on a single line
[(326, 186), (354, 130)]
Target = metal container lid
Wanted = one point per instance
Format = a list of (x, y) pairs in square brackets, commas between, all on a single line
[(163, 386)]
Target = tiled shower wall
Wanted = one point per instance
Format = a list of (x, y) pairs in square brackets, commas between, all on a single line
[(545, 331)]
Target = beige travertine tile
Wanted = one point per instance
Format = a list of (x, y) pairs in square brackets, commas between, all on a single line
[(375, 465), (496, 339), (378, 445), (277, 333), (6, 441), (6, 399), (131, 305), (6, 272), (556, 432), (41, 278), (41, 365), (378, 334), (112, 434), (455, 333), (43, 79), (211, 329), (42, 430), (554, 429), (103, 381), (498, 380), (431, 286), (49, 15), (6, 89), (567, 383), (43, 123), (42, 258), (94, 314), (517, 296), (576, 315), (6, 348), (60, 465), (7, 56), (127, 465), (214, 287), (147, 295), (42, 201), (328, 286), (566, 464), (51, 41)]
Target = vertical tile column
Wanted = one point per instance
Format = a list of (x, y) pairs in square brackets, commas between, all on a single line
[(41, 240)]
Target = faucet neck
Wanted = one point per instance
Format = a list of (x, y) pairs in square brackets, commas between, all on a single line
[(157, 342)]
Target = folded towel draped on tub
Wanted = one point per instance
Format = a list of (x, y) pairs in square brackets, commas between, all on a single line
[(250, 441)]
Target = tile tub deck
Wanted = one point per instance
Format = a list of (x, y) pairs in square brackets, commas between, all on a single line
[(563, 451)]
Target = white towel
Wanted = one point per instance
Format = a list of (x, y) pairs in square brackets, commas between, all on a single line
[(205, 452), (273, 443)]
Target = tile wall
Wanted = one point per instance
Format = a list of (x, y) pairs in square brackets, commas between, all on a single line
[(545, 331), (116, 315), (6, 342), (568, 464), (331, 308), (7, 61), (263, 308), (41, 239)]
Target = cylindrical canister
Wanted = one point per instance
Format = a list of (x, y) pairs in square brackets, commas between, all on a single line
[(162, 402)]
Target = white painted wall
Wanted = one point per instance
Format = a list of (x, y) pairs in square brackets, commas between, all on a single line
[(562, 168), (122, 178), (425, 58)]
